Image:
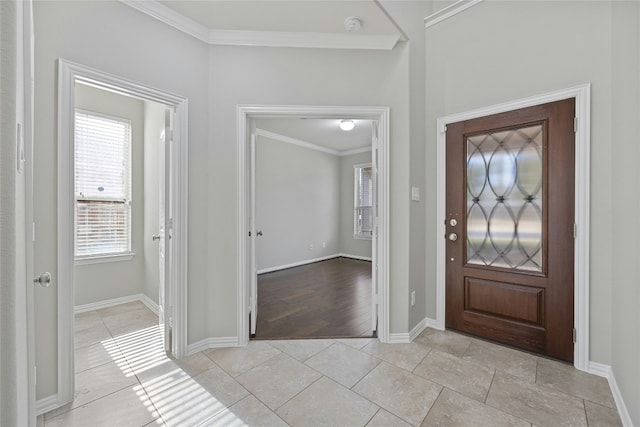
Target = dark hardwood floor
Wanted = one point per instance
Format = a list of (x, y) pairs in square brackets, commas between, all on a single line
[(327, 299)]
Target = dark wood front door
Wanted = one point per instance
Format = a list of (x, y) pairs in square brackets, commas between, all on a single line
[(510, 228)]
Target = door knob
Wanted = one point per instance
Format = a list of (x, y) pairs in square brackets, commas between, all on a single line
[(43, 280), (453, 237)]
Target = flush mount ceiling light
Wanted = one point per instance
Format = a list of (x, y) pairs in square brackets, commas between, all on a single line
[(352, 24), (347, 125)]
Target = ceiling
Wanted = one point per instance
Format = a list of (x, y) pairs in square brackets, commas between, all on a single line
[(284, 23), (322, 16), (320, 132)]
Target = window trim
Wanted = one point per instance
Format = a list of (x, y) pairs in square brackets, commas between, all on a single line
[(103, 257), (356, 235)]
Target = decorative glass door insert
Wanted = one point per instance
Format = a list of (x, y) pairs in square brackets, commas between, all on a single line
[(505, 199)]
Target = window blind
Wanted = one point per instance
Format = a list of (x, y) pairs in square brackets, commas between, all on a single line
[(102, 184), (363, 215)]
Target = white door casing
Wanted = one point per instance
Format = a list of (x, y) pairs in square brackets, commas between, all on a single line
[(246, 240), (68, 74)]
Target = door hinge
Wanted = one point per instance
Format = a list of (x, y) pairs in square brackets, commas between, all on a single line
[(443, 129), (575, 230), (575, 333), (575, 124), (249, 234)]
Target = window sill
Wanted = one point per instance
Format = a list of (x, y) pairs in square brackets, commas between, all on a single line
[(99, 259), (359, 237)]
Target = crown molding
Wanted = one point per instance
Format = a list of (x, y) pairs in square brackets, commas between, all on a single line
[(355, 151), (261, 38), (301, 39), (309, 145), (170, 17), (294, 141), (449, 11)]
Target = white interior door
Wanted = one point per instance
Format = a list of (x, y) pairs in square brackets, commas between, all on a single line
[(374, 236), (253, 292), (164, 180)]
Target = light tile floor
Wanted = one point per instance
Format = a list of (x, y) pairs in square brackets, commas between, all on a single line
[(123, 378)]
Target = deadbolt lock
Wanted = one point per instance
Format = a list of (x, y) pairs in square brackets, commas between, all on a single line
[(453, 222)]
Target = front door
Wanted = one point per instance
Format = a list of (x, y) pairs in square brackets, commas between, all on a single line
[(510, 228)]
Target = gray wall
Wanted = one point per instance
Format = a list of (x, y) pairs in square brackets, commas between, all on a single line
[(349, 245), (85, 32), (215, 79), (470, 65), (103, 281), (298, 77), (421, 224), (625, 128), (297, 203), (304, 198)]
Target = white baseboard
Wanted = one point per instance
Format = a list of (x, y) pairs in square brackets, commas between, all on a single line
[(599, 369), (46, 404), (399, 338), (151, 305), (362, 258), (404, 338), (433, 324), (417, 330), (606, 372), (311, 261), (117, 301), (208, 343), (297, 264)]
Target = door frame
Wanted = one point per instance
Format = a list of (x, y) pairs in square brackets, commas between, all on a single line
[(68, 74), (582, 126), (244, 113)]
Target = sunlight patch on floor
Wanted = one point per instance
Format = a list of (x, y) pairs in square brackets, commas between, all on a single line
[(166, 390)]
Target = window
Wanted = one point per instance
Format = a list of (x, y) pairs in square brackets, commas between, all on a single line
[(363, 202), (102, 185)]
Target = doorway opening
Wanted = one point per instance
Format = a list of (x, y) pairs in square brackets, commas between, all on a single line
[(313, 202), (101, 209), (249, 231)]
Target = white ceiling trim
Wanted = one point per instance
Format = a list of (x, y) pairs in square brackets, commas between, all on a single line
[(449, 11), (355, 151), (302, 39), (309, 145), (294, 141), (170, 17), (261, 38)]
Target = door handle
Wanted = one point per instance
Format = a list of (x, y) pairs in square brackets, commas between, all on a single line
[(43, 280), (154, 238), (453, 237), (259, 233)]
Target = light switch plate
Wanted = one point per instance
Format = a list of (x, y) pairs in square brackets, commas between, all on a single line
[(415, 194)]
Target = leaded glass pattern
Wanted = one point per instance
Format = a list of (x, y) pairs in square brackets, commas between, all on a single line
[(504, 199)]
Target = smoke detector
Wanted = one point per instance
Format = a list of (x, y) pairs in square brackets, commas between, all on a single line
[(352, 24)]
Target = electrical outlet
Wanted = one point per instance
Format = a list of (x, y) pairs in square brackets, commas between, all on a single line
[(324, 245), (311, 247), (413, 298)]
